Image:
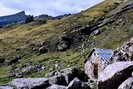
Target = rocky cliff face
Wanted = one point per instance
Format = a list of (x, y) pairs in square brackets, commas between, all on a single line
[(18, 17)]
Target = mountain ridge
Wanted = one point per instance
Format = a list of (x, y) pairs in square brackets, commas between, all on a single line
[(19, 17)]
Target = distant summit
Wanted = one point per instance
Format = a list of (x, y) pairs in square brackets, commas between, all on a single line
[(18, 17), (45, 16), (62, 16), (21, 17)]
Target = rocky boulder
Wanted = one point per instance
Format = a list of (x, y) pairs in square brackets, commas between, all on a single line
[(125, 52), (77, 84), (96, 32), (114, 74), (64, 43), (43, 50), (59, 79), (6, 87), (26, 69), (30, 83), (127, 84), (56, 87), (65, 76)]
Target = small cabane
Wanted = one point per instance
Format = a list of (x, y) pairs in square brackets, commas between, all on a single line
[(96, 61), (102, 54)]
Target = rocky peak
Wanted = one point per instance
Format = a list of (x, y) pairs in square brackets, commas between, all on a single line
[(18, 17)]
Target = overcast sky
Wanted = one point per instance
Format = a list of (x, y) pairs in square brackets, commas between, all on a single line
[(51, 7)]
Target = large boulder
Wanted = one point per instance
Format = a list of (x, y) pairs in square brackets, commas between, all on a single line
[(71, 73), (30, 83), (6, 87), (43, 50), (59, 79), (56, 87), (65, 76), (125, 52), (74, 84), (26, 69), (114, 74), (63, 45), (62, 77), (77, 84), (127, 84), (96, 32)]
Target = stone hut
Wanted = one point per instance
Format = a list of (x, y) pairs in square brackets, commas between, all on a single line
[(96, 62)]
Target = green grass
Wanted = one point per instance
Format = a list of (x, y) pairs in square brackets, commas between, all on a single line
[(21, 36)]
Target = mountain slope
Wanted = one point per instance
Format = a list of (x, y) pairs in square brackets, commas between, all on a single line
[(22, 43)]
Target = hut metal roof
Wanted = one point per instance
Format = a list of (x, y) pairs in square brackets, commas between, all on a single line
[(105, 54)]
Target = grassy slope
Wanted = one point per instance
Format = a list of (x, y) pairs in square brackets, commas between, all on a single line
[(21, 36)]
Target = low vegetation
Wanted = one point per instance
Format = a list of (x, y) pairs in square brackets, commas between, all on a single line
[(23, 39)]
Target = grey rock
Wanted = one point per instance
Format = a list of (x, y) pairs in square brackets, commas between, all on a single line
[(18, 57), (67, 75), (56, 87), (50, 74), (71, 73), (43, 50), (63, 45), (96, 32), (77, 84), (26, 69), (6, 87), (114, 74), (59, 79), (127, 84), (125, 52), (29, 83)]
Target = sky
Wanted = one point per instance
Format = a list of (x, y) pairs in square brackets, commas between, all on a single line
[(50, 7)]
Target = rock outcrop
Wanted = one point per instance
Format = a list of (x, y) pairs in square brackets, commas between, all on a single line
[(6, 87), (56, 87), (30, 83), (125, 52), (127, 84), (77, 84), (65, 76), (26, 69), (18, 17), (113, 75), (70, 78)]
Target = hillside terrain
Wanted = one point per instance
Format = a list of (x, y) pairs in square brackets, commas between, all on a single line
[(32, 50)]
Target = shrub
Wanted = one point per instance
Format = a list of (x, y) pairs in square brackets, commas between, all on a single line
[(43, 21), (29, 19)]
